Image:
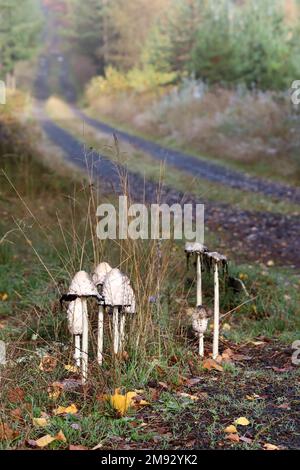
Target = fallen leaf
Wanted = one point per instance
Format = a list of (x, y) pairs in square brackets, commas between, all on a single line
[(3, 296), (16, 395), (193, 381), (242, 421), (253, 397), (187, 395), (40, 422), (6, 433), (46, 440), (230, 429), (16, 414), (54, 390), (212, 364), (233, 437), (48, 364), (163, 385), (246, 439), (270, 447), (226, 327), (61, 410), (284, 406), (282, 369), (60, 436)]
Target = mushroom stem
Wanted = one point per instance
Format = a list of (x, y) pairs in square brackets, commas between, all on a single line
[(100, 335), (116, 329), (201, 344), (85, 333), (77, 353), (216, 312), (199, 280), (122, 331)]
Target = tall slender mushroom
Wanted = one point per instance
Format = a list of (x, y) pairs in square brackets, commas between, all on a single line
[(80, 289), (118, 295), (199, 323), (98, 279), (199, 250), (214, 260)]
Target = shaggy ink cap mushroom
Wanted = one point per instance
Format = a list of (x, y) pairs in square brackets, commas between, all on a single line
[(117, 291)]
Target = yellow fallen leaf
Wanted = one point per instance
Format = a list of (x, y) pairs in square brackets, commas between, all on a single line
[(230, 429), (44, 441), (270, 447), (242, 421), (4, 297), (40, 422), (226, 327), (72, 410), (121, 403), (71, 368)]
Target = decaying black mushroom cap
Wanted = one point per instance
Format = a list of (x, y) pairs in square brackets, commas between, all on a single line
[(192, 248)]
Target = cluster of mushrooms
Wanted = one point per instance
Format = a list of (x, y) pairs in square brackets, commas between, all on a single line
[(114, 294), (212, 261)]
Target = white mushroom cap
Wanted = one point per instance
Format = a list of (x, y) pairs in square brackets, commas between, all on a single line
[(129, 300), (100, 272), (82, 286), (217, 257), (117, 291), (194, 247), (75, 317)]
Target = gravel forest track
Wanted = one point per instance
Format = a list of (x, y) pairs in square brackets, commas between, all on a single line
[(246, 235)]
